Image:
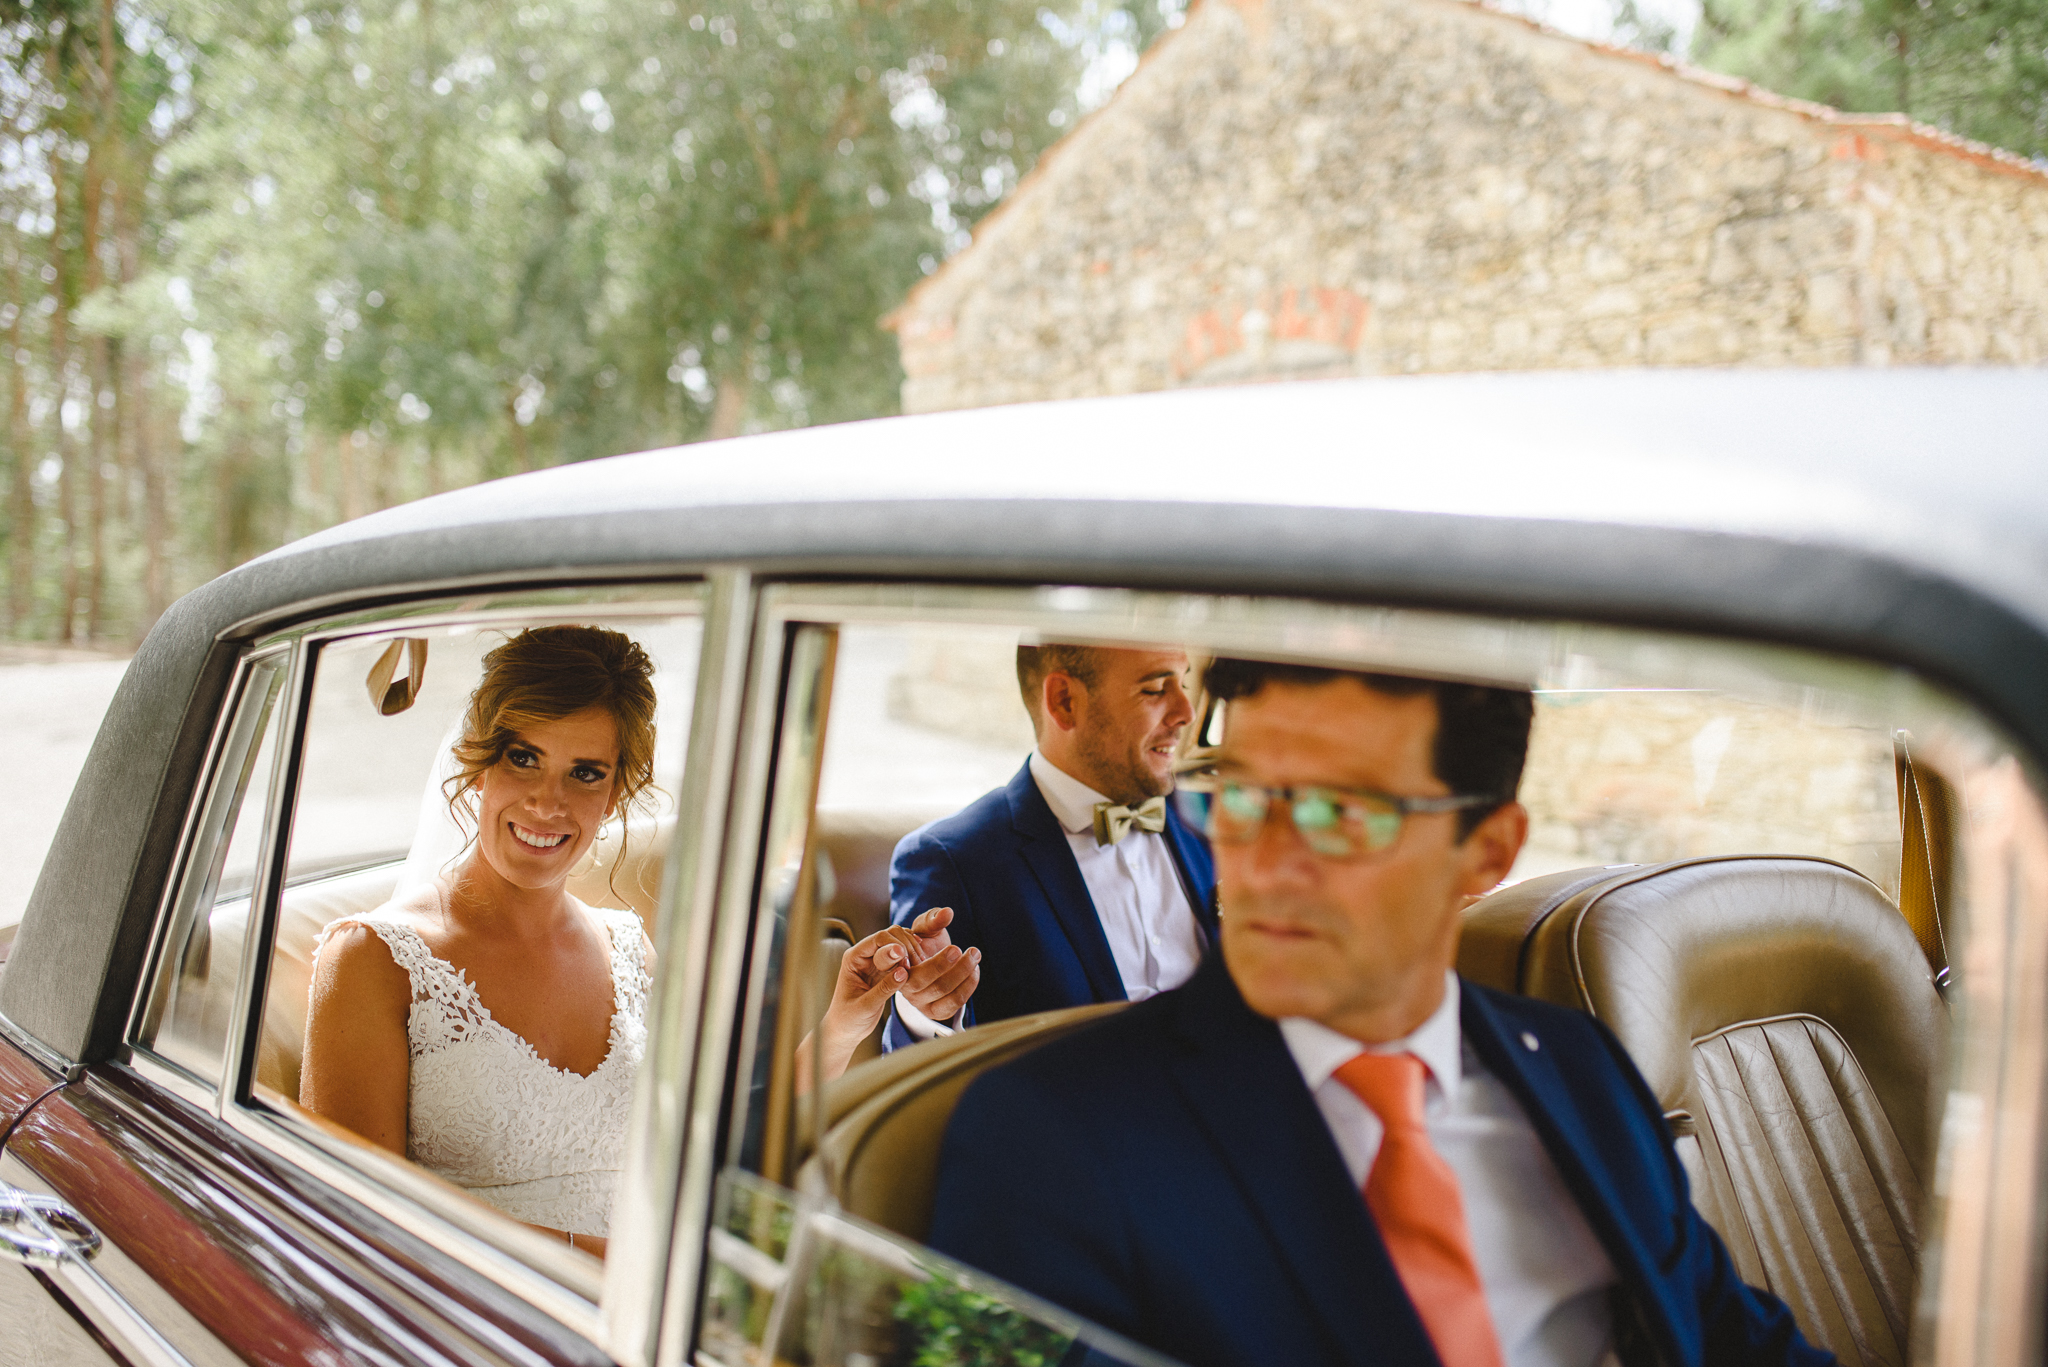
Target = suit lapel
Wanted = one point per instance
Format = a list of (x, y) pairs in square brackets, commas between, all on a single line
[(1531, 1074), (1042, 845), (1247, 1096), (1197, 869)]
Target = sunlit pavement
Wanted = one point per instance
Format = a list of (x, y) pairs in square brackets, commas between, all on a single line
[(54, 702)]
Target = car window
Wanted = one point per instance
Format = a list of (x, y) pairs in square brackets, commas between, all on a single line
[(368, 830), (792, 1277), (1647, 751), (192, 995)]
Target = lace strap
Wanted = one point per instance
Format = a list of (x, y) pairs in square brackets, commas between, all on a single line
[(434, 980), (629, 960)]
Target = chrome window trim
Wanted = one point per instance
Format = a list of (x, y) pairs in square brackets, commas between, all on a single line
[(46, 1058), (239, 1061), (1525, 651), (157, 1067), (173, 1079), (810, 655), (526, 1263), (612, 588), (729, 902)]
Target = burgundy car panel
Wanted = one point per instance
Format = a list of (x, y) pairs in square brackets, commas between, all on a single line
[(276, 1267)]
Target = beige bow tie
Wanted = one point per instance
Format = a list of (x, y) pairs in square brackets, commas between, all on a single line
[(1113, 822)]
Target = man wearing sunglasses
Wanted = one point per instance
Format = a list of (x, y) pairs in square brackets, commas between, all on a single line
[(1075, 880), (1327, 1148)]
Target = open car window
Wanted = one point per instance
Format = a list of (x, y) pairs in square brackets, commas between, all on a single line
[(900, 706), (358, 737)]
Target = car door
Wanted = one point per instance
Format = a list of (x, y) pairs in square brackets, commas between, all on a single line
[(199, 1215)]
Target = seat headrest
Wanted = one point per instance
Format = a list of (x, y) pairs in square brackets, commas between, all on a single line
[(1668, 954)]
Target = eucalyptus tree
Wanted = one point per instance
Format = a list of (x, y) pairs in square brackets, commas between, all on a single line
[(788, 169)]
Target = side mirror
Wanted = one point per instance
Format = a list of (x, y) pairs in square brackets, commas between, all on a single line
[(390, 691)]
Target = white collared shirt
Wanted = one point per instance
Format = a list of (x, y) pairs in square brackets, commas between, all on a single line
[(1138, 895), (1544, 1273)]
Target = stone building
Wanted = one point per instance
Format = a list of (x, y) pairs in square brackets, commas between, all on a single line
[(1319, 187)]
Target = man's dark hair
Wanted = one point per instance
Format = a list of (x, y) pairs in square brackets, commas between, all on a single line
[(1054, 657), (1482, 733)]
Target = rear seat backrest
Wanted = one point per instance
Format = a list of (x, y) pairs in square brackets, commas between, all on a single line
[(886, 1119), (1785, 1017)]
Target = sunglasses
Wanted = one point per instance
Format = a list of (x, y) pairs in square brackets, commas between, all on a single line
[(1335, 823)]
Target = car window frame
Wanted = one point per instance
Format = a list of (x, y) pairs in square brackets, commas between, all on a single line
[(197, 848), (526, 1264), (1427, 641)]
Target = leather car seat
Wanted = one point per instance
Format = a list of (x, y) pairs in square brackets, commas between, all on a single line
[(1786, 1018), (885, 1120), (859, 845)]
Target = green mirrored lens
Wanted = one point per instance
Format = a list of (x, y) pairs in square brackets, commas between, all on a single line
[(1315, 810), (1381, 826), (1236, 813), (1319, 816)]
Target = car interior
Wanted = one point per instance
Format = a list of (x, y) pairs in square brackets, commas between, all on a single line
[(1750, 879)]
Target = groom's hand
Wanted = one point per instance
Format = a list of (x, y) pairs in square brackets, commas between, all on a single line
[(944, 976)]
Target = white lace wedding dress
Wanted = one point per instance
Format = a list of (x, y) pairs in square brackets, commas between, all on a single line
[(543, 1144)]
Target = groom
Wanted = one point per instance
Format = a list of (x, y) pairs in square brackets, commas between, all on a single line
[(1076, 880)]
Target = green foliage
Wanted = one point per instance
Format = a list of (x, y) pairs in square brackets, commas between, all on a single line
[(951, 1326), (377, 248), (1976, 67)]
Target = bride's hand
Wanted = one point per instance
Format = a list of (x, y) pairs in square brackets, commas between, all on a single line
[(868, 974)]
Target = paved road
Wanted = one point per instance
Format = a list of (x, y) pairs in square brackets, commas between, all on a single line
[(55, 709)]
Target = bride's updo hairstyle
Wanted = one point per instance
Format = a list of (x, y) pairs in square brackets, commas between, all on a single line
[(544, 674)]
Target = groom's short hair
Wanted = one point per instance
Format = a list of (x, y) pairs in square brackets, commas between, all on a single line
[(1034, 663)]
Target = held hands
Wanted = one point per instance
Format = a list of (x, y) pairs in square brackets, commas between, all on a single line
[(945, 976), (920, 961)]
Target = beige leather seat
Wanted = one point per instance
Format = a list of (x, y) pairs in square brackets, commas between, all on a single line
[(1787, 1020), (885, 1119)]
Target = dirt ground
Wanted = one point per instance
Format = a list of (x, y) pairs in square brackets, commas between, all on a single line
[(56, 698)]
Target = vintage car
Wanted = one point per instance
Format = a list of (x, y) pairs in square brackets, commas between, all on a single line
[(1789, 636)]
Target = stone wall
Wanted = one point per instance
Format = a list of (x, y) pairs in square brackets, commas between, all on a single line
[(1315, 187)]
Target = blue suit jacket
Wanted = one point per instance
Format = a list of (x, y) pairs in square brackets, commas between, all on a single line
[(1004, 865), (1166, 1174)]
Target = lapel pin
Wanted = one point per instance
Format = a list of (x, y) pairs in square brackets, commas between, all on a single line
[(1529, 1042)]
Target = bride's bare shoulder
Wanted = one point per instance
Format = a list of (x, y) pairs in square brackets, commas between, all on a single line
[(356, 952)]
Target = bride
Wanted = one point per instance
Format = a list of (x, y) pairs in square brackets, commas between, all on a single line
[(486, 1023)]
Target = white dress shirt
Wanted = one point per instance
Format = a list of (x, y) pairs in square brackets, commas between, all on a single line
[(1134, 884), (1544, 1274)]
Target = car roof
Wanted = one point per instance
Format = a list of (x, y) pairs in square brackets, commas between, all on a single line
[(1897, 514)]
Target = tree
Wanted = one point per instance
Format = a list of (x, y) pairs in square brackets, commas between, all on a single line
[(1976, 67), (283, 262)]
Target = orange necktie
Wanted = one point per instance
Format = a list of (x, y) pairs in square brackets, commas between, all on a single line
[(1413, 1194)]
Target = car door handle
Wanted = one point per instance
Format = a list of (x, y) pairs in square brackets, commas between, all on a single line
[(42, 1231)]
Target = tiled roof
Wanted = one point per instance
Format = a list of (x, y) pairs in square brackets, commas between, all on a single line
[(1858, 131)]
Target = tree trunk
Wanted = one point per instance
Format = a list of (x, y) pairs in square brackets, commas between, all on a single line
[(21, 502), (522, 453), (729, 409), (60, 381), (350, 460), (100, 411)]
